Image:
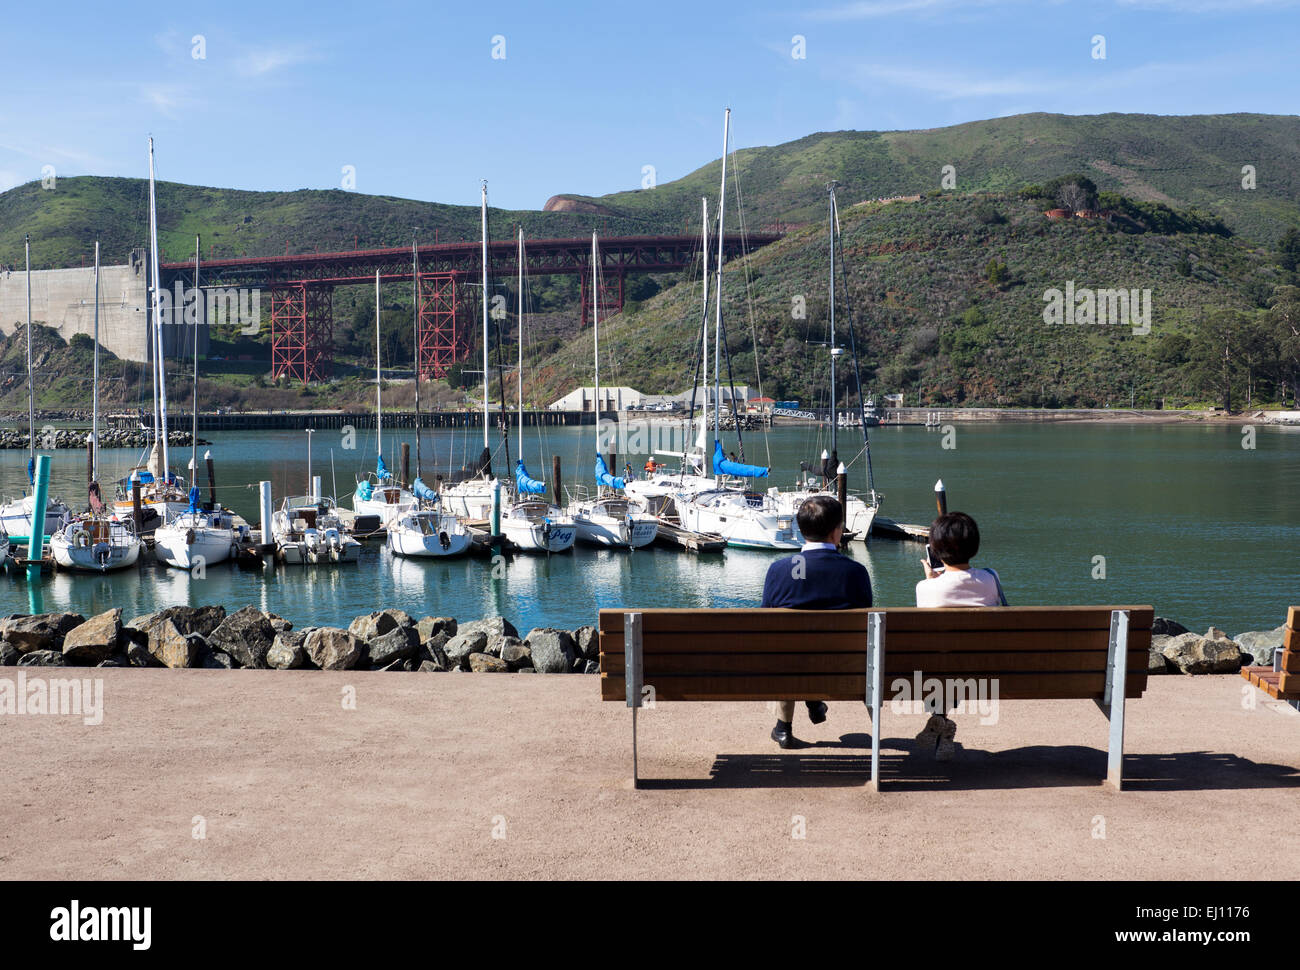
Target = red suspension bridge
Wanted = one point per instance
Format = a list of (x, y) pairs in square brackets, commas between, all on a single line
[(301, 287)]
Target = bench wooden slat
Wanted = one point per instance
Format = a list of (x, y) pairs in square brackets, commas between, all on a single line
[(1267, 680), (901, 619), (1291, 661), (899, 642), (757, 687), (930, 664), (737, 621)]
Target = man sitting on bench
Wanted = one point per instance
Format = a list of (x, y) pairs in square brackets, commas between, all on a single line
[(818, 578)]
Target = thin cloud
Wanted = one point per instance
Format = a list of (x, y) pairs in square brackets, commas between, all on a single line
[(873, 9), (257, 63)]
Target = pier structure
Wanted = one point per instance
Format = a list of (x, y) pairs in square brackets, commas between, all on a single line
[(300, 287)]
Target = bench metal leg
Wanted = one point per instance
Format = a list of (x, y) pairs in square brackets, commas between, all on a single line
[(875, 671), (1113, 704), (632, 677)]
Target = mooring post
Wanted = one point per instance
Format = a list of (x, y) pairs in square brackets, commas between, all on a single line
[(212, 480), (136, 514), (555, 479), (842, 492), (406, 462)]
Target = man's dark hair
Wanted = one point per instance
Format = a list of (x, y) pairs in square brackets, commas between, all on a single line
[(818, 516), (955, 538)]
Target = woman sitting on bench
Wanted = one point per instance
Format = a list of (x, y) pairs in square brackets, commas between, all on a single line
[(954, 541)]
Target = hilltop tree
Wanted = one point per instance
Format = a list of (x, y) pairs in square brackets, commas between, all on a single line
[(1217, 347)]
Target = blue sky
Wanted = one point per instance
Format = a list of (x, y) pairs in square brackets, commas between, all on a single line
[(587, 94)]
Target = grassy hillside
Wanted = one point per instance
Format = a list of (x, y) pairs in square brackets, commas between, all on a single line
[(931, 321), (1183, 161)]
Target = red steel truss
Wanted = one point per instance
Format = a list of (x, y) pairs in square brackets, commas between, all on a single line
[(301, 286), (441, 344), (302, 331)]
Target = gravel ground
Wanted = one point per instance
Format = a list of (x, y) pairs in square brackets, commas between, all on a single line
[(458, 776)]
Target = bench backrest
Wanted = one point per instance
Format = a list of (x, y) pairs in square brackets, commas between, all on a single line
[(1289, 680), (1044, 652)]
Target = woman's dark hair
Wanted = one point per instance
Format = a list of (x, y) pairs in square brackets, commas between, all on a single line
[(818, 516), (955, 538)]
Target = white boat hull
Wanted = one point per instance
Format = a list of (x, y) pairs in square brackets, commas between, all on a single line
[(99, 557), (540, 536), (729, 515), (605, 530), (445, 544), (184, 547)]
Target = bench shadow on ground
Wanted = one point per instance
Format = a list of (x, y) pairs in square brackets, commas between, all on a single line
[(902, 768)]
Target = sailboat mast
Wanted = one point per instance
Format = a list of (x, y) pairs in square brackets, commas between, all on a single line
[(834, 423), (519, 372), (704, 334), (379, 392), (194, 404), (31, 388), (485, 317), (717, 326), (415, 275), (595, 330), (161, 371), (94, 411)]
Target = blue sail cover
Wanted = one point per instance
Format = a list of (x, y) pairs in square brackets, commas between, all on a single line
[(31, 470), (722, 466), (194, 499), (525, 484), (363, 491), (423, 491), (604, 477), (381, 470)]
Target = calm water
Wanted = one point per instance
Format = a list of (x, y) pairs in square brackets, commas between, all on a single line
[(1185, 517)]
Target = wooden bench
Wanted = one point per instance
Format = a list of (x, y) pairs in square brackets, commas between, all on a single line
[(1051, 653), (1282, 683)]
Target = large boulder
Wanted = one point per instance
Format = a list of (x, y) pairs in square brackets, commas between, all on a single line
[(215, 659), (246, 635), (1156, 662), (279, 623), (433, 651), (41, 631), (553, 651), (187, 619), (399, 643), (516, 653), (95, 640), (8, 654), (588, 642), (380, 622), (1261, 645), (1164, 627), (287, 651), (331, 648), (497, 628), (172, 648), (139, 656), (430, 625), (42, 658), (482, 663), (1213, 653), (460, 646)]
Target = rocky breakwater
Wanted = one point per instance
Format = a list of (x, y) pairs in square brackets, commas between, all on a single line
[(209, 637), (1177, 650), (55, 438)]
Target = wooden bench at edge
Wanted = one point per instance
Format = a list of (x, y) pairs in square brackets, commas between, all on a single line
[(1035, 652), (1284, 684)]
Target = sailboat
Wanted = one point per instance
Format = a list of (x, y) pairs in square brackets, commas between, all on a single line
[(99, 541), (378, 494), (745, 519), (471, 496), (859, 514), (660, 492), (608, 519), (16, 516), (162, 493), (196, 535), (426, 530), (530, 521)]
